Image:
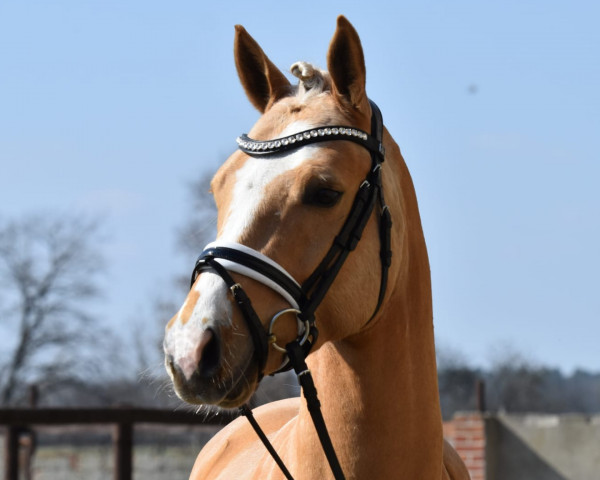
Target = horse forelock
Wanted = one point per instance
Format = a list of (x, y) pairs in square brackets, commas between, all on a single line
[(313, 80)]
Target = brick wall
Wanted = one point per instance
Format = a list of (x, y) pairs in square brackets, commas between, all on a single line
[(466, 432)]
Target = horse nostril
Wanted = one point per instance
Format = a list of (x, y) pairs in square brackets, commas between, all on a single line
[(202, 361), (209, 354)]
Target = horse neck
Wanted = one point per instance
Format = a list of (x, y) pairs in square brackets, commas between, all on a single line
[(378, 389)]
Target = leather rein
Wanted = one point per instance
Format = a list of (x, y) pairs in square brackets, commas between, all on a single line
[(224, 257)]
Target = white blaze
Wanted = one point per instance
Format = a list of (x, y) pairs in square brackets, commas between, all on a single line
[(253, 177), (213, 307)]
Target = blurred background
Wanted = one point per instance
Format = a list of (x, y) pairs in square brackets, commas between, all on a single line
[(114, 116)]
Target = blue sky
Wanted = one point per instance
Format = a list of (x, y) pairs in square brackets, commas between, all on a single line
[(112, 107)]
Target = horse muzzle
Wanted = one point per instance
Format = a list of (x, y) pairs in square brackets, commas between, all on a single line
[(202, 375)]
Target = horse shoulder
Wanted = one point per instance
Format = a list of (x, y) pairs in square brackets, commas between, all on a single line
[(233, 452), (454, 468)]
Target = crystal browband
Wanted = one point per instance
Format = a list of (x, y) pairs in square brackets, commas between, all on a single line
[(313, 135)]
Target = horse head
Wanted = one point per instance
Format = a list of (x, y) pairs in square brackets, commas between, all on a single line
[(286, 209)]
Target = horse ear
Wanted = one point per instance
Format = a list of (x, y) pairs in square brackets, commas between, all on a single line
[(346, 64), (263, 82)]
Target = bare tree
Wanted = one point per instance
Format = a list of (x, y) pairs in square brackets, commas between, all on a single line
[(456, 380), (49, 269), (516, 384), (201, 224)]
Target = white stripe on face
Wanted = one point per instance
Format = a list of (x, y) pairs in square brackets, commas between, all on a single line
[(252, 179), (213, 308)]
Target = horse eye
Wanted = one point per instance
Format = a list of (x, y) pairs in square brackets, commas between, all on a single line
[(322, 197)]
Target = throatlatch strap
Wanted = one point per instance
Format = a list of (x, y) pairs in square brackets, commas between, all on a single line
[(385, 228)]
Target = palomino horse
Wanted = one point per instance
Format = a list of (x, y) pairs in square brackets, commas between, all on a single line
[(375, 373)]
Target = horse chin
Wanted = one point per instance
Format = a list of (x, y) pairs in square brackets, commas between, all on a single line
[(225, 389), (243, 387), (237, 398)]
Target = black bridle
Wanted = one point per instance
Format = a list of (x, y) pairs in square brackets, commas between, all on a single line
[(221, 258)]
